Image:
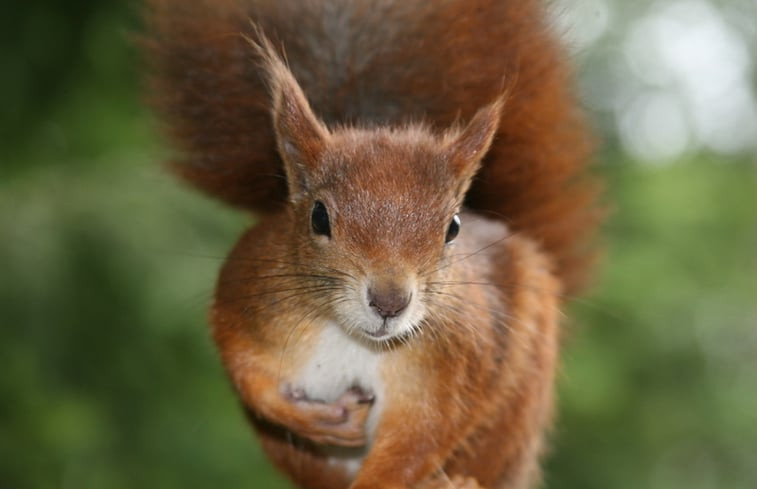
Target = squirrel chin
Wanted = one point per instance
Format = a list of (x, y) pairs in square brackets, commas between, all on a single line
[(386, 334)]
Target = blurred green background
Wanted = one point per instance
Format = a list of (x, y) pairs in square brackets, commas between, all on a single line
[(108, 378)]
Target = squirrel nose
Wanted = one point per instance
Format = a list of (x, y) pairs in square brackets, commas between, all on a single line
[(388, 303)]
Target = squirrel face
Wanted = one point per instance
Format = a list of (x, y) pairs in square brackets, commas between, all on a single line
[(359, 213), (374, 210)]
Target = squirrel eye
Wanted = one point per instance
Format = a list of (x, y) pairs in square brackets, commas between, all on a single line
[(319, 220), (453, 230)]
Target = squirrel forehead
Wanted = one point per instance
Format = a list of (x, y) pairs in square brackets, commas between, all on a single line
[(382, 188), (386, 162)]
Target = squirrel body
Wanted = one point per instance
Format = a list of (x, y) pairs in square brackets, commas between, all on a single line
[(419, 173), (469, 394)]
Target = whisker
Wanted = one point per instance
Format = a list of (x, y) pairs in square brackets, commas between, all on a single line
[(465, 256), (308, 288), (289, 264)]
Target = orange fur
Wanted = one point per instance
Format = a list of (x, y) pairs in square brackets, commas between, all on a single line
[(373, 345)]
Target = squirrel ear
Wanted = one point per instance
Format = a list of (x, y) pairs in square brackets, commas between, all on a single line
[(466, 148), (300, 136)]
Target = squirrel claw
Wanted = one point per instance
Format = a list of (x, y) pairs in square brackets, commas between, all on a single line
[(456, 482), (357, 395), (293, 393), (340, 423)]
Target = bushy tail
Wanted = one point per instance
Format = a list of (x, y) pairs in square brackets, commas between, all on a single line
[(372, 63)]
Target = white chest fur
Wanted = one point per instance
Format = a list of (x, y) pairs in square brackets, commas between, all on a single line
[(337, 363)]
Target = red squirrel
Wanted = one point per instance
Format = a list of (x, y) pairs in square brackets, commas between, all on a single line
[(419, 170)]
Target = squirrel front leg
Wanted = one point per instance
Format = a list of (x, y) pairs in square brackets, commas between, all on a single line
[(340, 423), (408, 451)]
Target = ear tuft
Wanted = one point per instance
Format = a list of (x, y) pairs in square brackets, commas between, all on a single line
[(300, 137), (466, 148)]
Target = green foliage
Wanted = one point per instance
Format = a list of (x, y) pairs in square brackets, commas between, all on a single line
[(658, 384), (109, 379)]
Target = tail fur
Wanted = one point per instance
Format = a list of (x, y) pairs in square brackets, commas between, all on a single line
[(381, 63)]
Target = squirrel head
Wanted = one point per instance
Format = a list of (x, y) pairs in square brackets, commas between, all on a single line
[(375, 211)]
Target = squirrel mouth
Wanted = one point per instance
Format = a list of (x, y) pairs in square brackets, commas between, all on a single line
[(384, 333), (387, 333), (380, 334)]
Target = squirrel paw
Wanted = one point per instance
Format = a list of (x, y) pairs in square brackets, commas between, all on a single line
[(455, 482), (340, 423)]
